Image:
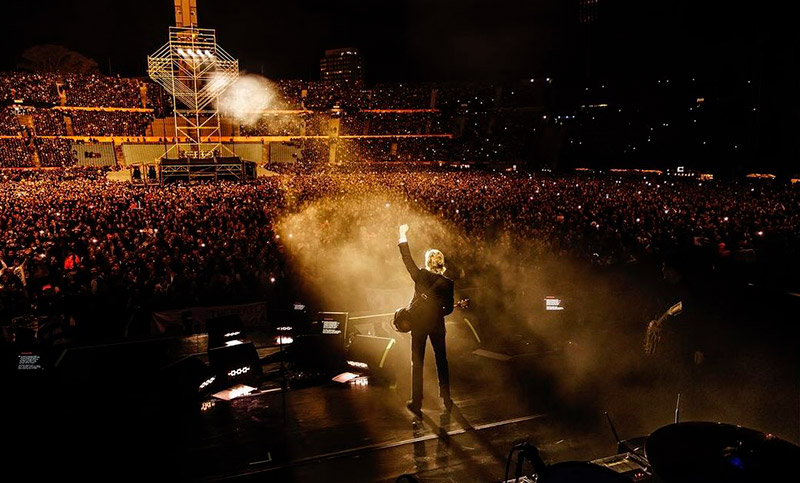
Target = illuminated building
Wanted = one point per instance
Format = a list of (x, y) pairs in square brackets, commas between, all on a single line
[(587, 11), (342, 66)]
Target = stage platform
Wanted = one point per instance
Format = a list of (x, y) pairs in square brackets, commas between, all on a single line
[(167, 170), (305, 428)]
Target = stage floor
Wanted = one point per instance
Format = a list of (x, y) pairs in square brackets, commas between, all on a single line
[(344, 432)]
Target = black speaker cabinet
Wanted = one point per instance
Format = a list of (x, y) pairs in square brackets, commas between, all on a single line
[(224, 329), (186, 379), (235, 364), (372, 355)]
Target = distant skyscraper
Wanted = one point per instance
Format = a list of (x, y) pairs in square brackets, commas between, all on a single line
[(587, 11), (342, 66)]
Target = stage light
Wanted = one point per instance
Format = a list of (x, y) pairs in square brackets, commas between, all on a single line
[(360, 381), (207, 382), (359, 365), (345, 377), (181, 52), (234, 392), (239, 371)]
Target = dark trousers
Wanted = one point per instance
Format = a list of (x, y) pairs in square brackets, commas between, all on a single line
[(418, 343)]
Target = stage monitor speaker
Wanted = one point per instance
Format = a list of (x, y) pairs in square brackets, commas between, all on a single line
[(186, 379), (331, 324), (234, 364), (372, 355), (224, 329), (318, 353)]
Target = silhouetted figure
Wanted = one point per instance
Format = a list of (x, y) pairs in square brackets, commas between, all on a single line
[(434, 293)]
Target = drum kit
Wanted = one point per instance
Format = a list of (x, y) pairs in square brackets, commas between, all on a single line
[(685, 452)]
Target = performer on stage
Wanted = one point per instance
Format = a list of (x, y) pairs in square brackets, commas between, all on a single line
[(434, 294)]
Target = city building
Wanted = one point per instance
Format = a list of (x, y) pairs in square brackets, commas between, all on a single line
[(342, 66)]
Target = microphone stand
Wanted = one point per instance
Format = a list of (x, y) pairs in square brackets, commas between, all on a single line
[(283, 380)]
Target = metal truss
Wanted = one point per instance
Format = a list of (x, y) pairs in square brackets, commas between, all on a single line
[(195, 70)]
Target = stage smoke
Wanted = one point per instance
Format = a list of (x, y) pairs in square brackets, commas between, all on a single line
[(342, 249), (247, 98)]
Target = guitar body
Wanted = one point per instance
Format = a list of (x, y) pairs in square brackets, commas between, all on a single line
[(405, 318), (402, 320)]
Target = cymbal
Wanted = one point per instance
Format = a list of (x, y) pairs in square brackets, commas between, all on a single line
[(716, 452), (581, 472)]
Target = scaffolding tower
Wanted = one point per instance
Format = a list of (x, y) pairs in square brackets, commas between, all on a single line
[(195, 71)]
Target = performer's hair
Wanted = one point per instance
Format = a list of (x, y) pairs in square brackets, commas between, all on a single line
[(434, 261)]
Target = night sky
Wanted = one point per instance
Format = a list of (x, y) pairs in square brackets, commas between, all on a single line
[(427, 40)]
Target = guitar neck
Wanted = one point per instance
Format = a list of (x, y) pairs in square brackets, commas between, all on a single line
[(664, 316)]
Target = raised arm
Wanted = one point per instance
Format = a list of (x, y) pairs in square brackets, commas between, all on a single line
[(405, 252)]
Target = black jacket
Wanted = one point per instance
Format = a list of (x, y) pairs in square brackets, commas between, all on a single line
[(438, 288)]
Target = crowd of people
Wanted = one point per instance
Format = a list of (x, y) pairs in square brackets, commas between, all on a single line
[(356, 123), (104, 255), (101, 256), (31, 87), (276, 125), (14, 153), (49, 122), (110, 123), (55, 152), (87, 90), (461, 109), (99, 252), (35, 127), (8, 123), (90, 90), (390, 149), (399, 96)]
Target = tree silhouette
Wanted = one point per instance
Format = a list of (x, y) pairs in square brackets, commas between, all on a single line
[(56, 58)]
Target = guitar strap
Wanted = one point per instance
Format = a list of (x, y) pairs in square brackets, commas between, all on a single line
[(424, 294)]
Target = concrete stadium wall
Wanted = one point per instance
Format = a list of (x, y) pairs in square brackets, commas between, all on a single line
[(247, 151), (143, 153), (149, 153), (280, 152), (95, 154)]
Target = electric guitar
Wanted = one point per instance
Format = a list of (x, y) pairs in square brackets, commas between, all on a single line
[(653, 335), (405, 318)]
